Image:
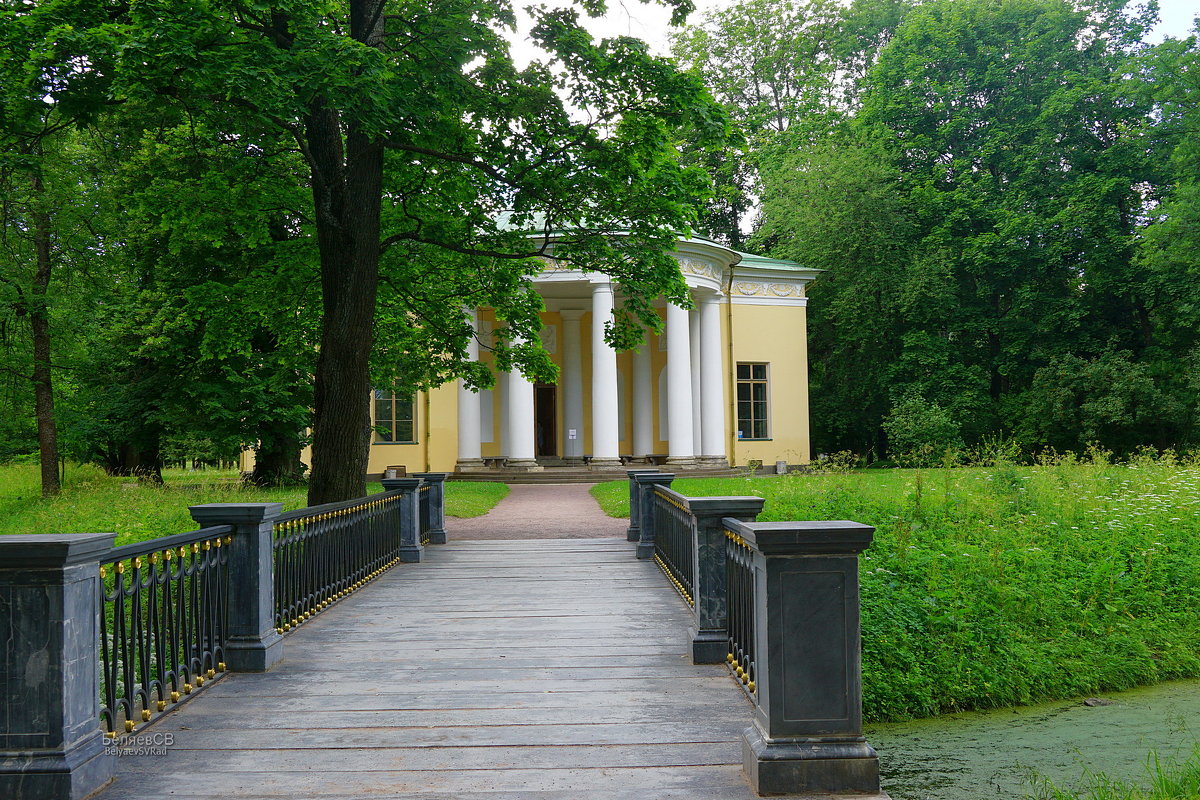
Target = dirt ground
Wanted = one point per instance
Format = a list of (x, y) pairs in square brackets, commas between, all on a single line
[(540, 511)]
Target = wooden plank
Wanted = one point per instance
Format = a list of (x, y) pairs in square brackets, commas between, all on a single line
[(493, 669), (692, 782)]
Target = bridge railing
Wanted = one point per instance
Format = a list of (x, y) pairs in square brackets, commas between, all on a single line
[(675, 541), (322, 553), (95, 641), (778, 602), (432, 507), (163, 624)]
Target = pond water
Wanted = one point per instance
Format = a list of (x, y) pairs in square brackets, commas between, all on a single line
[(994, 754)]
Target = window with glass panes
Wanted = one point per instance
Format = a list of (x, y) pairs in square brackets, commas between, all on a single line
[(394, 417), (752, 401)]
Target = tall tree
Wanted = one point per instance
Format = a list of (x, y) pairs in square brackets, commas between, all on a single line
[(44, 226), (773, 65), (417, 131), (838, 207), (48, 87), (1012, 134)]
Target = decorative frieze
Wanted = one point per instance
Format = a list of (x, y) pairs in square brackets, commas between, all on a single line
[(768, 292), (691, 266)]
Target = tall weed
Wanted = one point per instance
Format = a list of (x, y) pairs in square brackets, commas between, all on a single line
[(1006, 585), (1164, 782)]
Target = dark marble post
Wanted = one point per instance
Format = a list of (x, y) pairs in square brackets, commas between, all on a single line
[(411, 548), (807, 735), (50, 738), (710, 641), (253, 644), (633, 532), (437, 504), (646, 482)]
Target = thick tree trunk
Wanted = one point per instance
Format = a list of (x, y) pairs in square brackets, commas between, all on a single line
[(347, 194), (39, 317), (277, 460), (143, 462), (350, 273)]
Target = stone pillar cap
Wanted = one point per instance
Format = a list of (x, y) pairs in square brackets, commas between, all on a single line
[(824, 537), (235, 513), (44, 550), (400, 483), (727, 504)]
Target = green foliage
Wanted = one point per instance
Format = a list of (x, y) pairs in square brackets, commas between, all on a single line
[(988, 587), (998, 193), (921, 433), (311, 194), (1110, 399), (836, 207)]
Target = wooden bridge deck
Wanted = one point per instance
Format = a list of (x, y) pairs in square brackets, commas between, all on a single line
[(510, 669)]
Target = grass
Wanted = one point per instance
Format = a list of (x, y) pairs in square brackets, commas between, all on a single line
[(94, 502), (990, 587), (473, 499), (1164, 782)]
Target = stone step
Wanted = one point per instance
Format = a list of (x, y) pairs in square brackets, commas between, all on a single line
[(581, 475)]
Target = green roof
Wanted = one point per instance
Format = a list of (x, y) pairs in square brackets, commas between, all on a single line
[(751, 260)]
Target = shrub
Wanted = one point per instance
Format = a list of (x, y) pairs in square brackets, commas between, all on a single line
[(920, 433)]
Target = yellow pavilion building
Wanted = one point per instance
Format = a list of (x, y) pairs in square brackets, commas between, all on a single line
[(725, 384)]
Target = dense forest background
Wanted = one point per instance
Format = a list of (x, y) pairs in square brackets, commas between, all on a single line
[(1004, 196)]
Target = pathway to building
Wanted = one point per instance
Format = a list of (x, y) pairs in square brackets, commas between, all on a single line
[(553, 669), (541, 511)]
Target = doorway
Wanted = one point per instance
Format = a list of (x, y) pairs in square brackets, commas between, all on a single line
[(545, 416)]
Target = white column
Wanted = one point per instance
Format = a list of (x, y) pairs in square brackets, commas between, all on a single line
[(520, 436), (712, 377), (572, 378), (694, 341), (679, 388), (469, 432), (643, 400), (605, 435)]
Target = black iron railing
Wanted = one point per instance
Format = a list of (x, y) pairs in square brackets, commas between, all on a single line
[(675, 542), (423, 525), (324, 552), (163, 622), (739, 583)]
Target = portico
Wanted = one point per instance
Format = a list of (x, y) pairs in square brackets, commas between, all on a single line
[(616, 418)]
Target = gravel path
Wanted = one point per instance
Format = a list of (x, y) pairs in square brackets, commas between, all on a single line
[(540, 511)]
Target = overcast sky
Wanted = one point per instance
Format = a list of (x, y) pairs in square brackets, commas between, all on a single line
[(650, 22)]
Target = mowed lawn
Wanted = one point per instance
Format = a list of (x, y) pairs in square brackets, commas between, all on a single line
[(1005, 585), (92, 502)]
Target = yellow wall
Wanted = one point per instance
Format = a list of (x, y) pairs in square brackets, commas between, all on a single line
[(776, 335), (436, 448)]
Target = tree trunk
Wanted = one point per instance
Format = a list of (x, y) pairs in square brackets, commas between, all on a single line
[(277, 460), (347, 193), (143, 462), (39, 318), (349, 279)]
